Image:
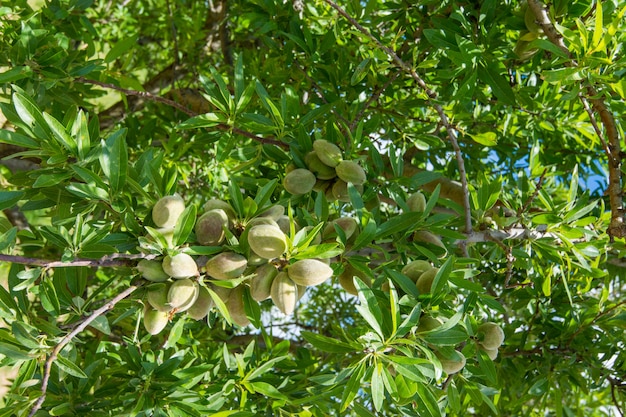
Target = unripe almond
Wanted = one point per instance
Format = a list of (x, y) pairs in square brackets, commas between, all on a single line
[(346, 279), (416, 202), (340, 191), (428, 237), (273, 212), (284, 223), (416, 268), (180, 266), (492, 335), (202, 305), (236, 307), (153, 320), (427, 323), (425, 281), (267, 241), (452, 365), (284, 293), (348, 224), (152, 270), (210, 227), (492, 353), (261, 220), (317, 167), (350, 171), (182, 294), (226, 265), (309, 272), (299, 181), (157, 297), (167, 210), (215, 203), (261, 282), (327, 152)]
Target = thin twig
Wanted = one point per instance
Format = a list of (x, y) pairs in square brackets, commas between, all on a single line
[(118, 259), (374, 97), (189, 112), (535, 194), (614, 397), (432, 96), (594, 123), (68, 338)]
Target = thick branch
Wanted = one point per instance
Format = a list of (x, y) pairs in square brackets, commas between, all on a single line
[(617, 228), (68, 338), (432, 95), (118, 259)]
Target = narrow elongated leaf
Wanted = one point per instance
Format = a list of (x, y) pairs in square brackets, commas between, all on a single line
[(328, 344), (369, 308), (16, 139), (184, 225), (353, 386), (31, 115), (114, 159), (60, 134), (9, 198), (69, 367)]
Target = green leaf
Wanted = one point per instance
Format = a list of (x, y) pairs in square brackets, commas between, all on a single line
[(16, 73), (369, 307), (14, 352), (486, 138), (353, 386), (69, 367), (16, 139), (360, 72), (184, 225), (176, 333), (268, 390), (120, 48), (114, 159), (10, 198), (377, 387), (60, 134), (498, 83), (328, 344), (451, 337), (31, 115), (428, 401), (404, 222)]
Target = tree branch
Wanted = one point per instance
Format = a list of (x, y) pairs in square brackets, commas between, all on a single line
[(432, 95), (117, 259), (617, 228), (68, 338)]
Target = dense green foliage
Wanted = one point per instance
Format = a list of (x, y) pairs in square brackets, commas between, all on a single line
[(107, 106)]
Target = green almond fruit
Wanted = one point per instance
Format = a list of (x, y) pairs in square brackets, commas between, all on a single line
[(415, 269), (427, 323), (152, 270), (215, 203), (210, 227), (167, 210), (416, 202), (180, 266), (492, 353), (261, 282), (299, 181), (284, 293), (492, 335), (153, 320), (425, 281), (182, 294), (273, 212), (203, 304), (157, 298), (317, 167), (346, 279), (327, 152), (350, 171), (309, 272), (267, 241), (284, 224), (226, 265), (428, 237), (454, 364), (348, 224), (236, 307)]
